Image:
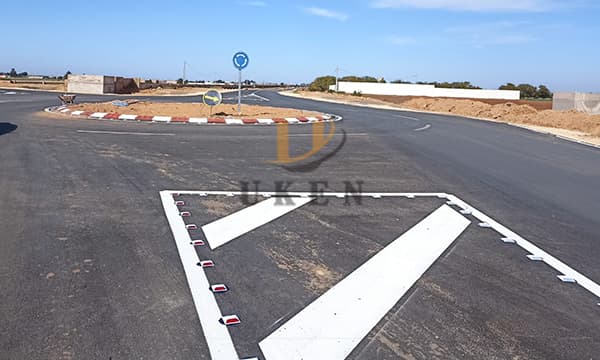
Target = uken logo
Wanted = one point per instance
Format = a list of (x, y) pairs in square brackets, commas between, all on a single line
[(322, 135)]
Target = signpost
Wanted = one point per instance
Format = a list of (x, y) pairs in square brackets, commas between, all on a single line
[(212, 98), (240, 61)]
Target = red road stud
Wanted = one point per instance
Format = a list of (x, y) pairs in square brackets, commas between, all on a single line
[(191, 227), (179, 203), (206, 263), (230, 320), (185, 214), (197, 243), (218, 288)]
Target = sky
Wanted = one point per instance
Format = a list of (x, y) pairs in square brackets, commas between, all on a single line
[(551, 42)]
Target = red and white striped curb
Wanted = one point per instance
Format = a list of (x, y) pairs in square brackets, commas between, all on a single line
[(193, 120)]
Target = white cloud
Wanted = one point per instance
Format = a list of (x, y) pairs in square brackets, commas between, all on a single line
[(472, 5), (253, 3), (401, 40), (326, 13)]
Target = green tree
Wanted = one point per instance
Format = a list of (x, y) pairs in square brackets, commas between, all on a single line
[(527, 91), (508, 86), (352, 78), (13, 72), (180, 81), (322, 83), (543, 92), (67, 74)]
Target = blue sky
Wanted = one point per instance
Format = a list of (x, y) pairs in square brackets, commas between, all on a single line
[(553, 42)]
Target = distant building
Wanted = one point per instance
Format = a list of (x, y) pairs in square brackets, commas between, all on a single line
[(101, 84)]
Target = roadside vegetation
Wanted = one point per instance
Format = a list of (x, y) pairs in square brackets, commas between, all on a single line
[(528, 91)]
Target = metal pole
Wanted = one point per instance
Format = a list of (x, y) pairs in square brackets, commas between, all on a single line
[(240, 93), (337, 76)]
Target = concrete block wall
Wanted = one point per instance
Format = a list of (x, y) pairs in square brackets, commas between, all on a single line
[(584, 102), (100, 84), (423, 90), (86, 84)]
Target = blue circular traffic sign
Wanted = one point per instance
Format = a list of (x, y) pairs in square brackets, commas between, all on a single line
[(240, 60)]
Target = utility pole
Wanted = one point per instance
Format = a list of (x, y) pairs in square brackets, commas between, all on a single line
[(184, 65), (337, 76)]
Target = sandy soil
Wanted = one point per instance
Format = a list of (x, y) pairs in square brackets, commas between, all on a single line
[(52, 87), (538, 105), (180, 91), (573, 124), (194, 110)]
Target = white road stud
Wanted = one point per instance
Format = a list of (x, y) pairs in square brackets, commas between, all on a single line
[(179, 203), (185, 214), (191, 226), (567, 279), (197, 243)]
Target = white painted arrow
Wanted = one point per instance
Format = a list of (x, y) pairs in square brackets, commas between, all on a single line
[(334, 324)]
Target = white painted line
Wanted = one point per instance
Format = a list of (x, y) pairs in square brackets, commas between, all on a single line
[(334, 324), (423, 128), (553, 262), (128, 117), (224, 230), (265, 121), (234, 122), (123, 133), (161, 118), (65, 110), (98, 115), (406, 117), (78, 112), (217, 336), (198, 121)]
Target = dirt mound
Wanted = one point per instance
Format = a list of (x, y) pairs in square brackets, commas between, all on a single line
[(193, 110)]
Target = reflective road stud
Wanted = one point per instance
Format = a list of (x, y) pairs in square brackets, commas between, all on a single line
[(230, 320), (179, 203), (206, 263), (197, 243), (185, 214), (567, 279), (218, 288), (191, 227)]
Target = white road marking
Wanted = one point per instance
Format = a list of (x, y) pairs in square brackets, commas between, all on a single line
[(225, 229), (98, 115), (128, 117), (234, 122), (335, 323), (123, 133), (512, 237), (161, 118), (217, 335), (423, 128), (406, 117), (198, 120)]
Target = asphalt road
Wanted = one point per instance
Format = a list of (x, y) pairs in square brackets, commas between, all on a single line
[(89, 269)]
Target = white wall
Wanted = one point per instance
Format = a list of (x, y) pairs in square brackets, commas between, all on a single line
[(423, 90)]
